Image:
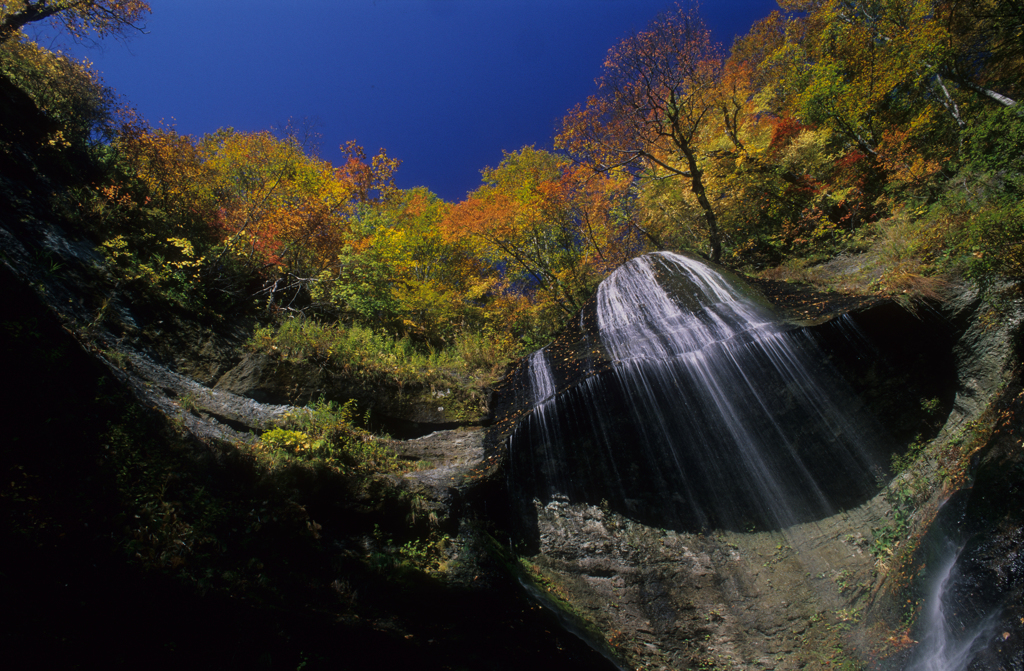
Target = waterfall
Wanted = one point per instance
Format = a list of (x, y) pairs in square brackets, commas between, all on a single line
[(698, 408), (638, 320)]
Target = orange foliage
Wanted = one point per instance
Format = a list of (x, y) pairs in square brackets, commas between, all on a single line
[(368, 182), (546, 226)]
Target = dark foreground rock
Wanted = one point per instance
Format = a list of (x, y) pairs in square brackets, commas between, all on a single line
[(85, 584)]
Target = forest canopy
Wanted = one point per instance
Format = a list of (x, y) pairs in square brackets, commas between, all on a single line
[(832, 128)]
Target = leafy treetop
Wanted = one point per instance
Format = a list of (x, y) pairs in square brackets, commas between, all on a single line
[(77, 17)]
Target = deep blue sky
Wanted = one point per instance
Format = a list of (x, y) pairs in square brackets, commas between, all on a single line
[(443, 85)]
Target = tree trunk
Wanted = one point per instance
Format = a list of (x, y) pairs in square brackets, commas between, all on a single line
[(12, 23), (710, 218)]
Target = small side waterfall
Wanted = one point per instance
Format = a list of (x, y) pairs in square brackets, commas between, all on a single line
[(948, 643), (542, 404), (686, 403), (542, 382)]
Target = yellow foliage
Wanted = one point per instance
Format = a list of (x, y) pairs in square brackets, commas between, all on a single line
[(809, 153)]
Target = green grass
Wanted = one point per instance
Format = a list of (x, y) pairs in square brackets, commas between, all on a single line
[(374, 353)]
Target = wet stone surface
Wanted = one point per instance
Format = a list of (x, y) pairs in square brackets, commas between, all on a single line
[(737, 600)]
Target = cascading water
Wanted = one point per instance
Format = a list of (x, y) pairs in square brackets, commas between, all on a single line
[(948, 644), (542, 382), (688, 404), (542, 401)]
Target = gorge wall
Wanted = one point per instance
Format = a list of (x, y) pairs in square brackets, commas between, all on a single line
[(641, 516)]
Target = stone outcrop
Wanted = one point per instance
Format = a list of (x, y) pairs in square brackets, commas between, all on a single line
[(668, 600), (969, 495), (198, 375)]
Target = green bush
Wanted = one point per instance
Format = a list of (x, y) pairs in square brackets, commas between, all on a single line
[(995, 143), (326, 433)]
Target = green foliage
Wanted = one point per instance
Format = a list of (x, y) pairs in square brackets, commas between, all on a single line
[(886, 538), (822, 90), (169, 520), (487, 352), (326, 433), (901, 462), (976, 227), (931, 406), (425, 555), (373, 353), (361, 288), (995, 143), (250, 536), (170, 267), (979, 220)]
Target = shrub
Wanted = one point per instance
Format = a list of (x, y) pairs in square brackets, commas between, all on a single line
[(326, 433), (69, 93)]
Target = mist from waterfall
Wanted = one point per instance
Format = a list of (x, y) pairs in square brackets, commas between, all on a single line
[(714, 412)]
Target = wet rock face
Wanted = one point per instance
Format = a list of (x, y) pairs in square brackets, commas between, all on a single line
[(980, 529), (989, 583), (440, 463), (899, 365), (668, 600), (681, 595)]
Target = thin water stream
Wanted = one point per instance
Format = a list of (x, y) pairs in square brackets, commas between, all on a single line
[(948, 643)]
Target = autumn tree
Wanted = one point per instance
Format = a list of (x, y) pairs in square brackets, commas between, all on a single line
[(283, 214), (398, 270), (987, 44), (976, 45), (549, 228), (859, 101), (923, 66), (173, 172), (513, 224), (77, 17), (438, 280), (656, 92)]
